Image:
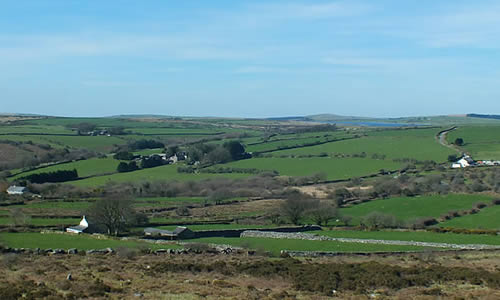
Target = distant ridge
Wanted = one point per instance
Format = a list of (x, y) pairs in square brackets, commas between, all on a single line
[(496, 117)]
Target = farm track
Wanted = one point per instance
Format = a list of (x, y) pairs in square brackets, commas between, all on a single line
[(441, 138)]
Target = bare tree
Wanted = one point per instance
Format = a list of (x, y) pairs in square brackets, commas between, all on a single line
[(323, 213), (115, 213), (297, 205), (19, 218)]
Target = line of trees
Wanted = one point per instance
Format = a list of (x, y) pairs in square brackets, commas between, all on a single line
[(55, 176)]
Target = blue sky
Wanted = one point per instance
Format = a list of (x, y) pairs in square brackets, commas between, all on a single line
[(250, 58)]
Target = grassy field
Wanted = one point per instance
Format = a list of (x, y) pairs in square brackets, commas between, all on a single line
[(419, 236), (35, 129), (276, 245), (67, 241), (408, 208), (291, 140), (167, 172), (418, 144), (482, 142), (334, 168), (487, 218), (43, 221), (85, 168)]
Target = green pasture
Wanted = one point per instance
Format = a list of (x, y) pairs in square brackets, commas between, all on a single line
[(100, 122), (486, 218), (408, 208), (35, 129), (418, 144), (175, 131), (276, 245), (35, 139), (43, 221), (417, 236), (95, 143), (85, 168), (67, 241), (167, 172), (482, 142), (334, 168), (69, 205), (273, 145)]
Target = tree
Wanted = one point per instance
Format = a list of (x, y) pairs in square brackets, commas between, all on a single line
[(172, 150), (323, 213), (452, 158), (19, 218), (127, 167), (459, 141), (115, 214), (123, 155), (236, 149), (296, 206)]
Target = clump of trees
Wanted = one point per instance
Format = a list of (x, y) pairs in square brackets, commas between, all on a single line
[(298, 206), (55, 176), (145, 144), (123, 155), (209, 154), (127, 167), (152, 161)]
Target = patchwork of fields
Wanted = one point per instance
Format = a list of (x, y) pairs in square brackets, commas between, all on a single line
[(337, 155), (482, 142)]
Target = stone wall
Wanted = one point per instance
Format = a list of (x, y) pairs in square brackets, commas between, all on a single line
[(238, 232), (312, 237)]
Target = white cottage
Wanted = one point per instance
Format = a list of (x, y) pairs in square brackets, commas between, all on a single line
[(82, 227), (464, 162), (16, 190)]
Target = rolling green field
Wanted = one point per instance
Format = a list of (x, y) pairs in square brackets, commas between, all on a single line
[(334, 168), (167, 172), (487, 218), (419, 236), (418, 144), (43, 221), (68, 241), (85, 168), (35, 129), (408, 208), (276, 245), (482, 142)]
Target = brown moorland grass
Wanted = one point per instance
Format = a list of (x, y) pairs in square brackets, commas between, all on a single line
[(210, 276)]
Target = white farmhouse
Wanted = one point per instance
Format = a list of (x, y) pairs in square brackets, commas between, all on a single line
[(82, 227), (16, 190), (464, 162)]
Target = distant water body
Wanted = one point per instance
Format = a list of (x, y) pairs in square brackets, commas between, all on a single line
[(376, 124)]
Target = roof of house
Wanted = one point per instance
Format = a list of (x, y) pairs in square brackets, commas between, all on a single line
[(18, 189), (78, 227)]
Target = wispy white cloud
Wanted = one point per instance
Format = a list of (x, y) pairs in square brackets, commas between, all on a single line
[(260, 69)]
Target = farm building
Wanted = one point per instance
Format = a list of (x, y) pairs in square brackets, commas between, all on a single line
[(83, 227), (16, 190), (179, 233), (464, 162)]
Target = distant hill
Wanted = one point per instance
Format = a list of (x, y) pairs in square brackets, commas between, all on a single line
[(496, 117)]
